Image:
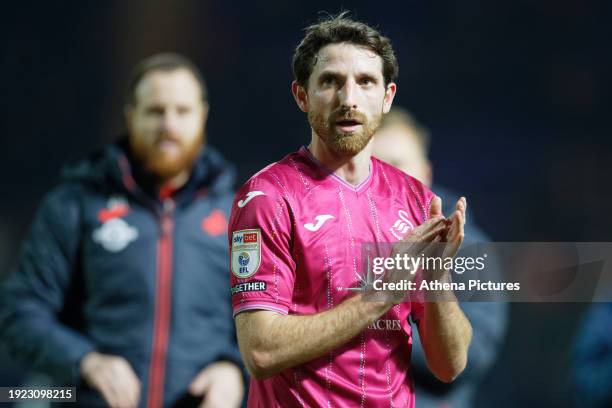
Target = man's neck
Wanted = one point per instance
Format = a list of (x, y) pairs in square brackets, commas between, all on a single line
[(175, 182), (352, 169)]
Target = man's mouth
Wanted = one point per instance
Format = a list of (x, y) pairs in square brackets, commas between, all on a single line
[(167, 143), (348, 125)]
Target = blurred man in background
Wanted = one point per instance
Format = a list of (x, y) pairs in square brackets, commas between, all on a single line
[(404, 143), (593, 358), (120, 288)]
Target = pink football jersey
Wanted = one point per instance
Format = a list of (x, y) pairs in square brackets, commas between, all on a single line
[(296, 236)]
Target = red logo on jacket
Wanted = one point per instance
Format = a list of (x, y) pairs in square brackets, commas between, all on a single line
[(116, 211), (215, 223)]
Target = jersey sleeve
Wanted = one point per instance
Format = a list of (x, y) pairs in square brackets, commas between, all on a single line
[(261, 263), (420, 199)]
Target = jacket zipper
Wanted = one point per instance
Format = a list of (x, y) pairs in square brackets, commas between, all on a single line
[(163, 303)]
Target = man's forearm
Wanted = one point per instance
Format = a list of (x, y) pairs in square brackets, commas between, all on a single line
[(271, 344), (445, 335)]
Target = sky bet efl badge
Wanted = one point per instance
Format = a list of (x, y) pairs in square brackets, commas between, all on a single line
[(246, 252)]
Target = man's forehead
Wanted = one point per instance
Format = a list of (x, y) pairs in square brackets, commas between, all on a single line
[(179, 81), (345, 55)]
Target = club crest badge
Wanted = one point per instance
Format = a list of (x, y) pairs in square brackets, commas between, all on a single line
[(246, 252), (402, 225), (115, 233)]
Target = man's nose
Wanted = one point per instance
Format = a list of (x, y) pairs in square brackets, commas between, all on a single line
[(170, 120), (347, 95)]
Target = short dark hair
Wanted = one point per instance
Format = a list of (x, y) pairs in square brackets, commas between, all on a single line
[(162, 62), (338, 29)]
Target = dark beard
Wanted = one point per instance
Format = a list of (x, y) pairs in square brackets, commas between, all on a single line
[(343, 143)]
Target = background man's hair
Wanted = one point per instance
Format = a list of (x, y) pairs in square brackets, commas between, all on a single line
[(162, 62), (399, 116), (338, 29)]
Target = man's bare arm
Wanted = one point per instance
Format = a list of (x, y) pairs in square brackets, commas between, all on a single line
[(445, 331), (445, 335), (271, 342)]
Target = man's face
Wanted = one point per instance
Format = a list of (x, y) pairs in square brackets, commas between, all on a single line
[(346, 97), (400, 147), (166, 123)]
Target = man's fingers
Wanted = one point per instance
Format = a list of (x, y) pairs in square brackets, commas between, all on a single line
[(437, 235), (200, 384), (430, 236), (435, 208), (125, 384), (455, 235), (111, 391), (107, 394), (432, 247), (458, 224), (462, 206), (114, 379), (429, 224), (434, 232), (110, 388), (421, 236), (133, 387), (461, 203), (416, 243), (460, 230), (120, 395), (223, 385)]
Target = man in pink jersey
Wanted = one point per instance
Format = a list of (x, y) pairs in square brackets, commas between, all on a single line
[(296, 236)]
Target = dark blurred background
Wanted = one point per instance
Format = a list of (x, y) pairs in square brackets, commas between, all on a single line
[(515, 93)]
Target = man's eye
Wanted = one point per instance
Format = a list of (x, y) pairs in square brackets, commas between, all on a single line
[(366, 81), (329, 81), (155, 111), (183, 110)]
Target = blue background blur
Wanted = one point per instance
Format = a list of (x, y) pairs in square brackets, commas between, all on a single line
[(516, 95)]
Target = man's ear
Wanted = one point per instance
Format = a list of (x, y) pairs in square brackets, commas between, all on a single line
[(300, 95), (389, 95), (205, 109)]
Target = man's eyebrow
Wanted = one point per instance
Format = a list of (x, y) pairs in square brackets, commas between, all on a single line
[(367, 74), (360, 73), (330, 75), (329, 72)]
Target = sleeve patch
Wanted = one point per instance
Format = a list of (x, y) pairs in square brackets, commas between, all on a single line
[(246, 252), (254, 286)]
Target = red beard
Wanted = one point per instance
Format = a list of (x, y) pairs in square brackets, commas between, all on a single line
[(164, 165)]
